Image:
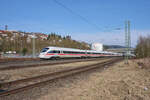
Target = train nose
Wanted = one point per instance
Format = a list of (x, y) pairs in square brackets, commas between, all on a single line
[(41, 55)]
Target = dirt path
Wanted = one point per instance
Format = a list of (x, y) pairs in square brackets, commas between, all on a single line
[(118, 82)]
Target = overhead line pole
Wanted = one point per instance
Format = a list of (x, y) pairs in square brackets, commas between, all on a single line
[(33, 44), (127, 41), (129, 37), (126, 35)]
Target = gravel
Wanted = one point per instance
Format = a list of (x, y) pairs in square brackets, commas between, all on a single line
[(11, 75), (117, 82)]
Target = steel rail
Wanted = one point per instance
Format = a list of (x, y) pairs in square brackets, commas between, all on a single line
[(11, 67), (44, 76), (59, 75)]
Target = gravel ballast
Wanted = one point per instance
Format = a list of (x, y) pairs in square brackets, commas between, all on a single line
[(11, 75), (116, 82)]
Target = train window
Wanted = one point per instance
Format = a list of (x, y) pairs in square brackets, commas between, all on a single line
[(45, 49), (50, 52), (66, 52), (73, 52), (76, 52), (54, 51), (88, 53)]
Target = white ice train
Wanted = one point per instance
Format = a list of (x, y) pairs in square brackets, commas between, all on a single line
[(59, 52)]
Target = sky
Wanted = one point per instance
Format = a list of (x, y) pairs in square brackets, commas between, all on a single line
[(84, 20)]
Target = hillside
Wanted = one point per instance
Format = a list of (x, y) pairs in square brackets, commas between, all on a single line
[(22, 42), (113, 46)]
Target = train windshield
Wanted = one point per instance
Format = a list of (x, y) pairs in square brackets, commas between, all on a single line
[(45, 49)]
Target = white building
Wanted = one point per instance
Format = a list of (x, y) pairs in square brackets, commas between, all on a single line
[(97, 46)]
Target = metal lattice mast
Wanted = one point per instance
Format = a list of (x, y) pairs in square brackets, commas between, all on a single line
[(127, 41), (129, 38)]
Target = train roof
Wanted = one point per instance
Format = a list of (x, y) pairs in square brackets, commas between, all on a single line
[(62, 48), (72, 49)]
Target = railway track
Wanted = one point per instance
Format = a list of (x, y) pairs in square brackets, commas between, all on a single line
[(6, 60), (12, 66), (29, 83)]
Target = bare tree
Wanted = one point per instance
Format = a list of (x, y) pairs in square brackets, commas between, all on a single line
[(143, 47)]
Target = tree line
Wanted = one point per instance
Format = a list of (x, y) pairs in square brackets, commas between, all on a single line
[(143, 47)]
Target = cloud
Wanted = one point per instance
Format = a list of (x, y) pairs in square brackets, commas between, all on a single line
[(110, 38)]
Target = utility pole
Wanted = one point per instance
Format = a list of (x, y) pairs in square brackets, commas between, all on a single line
[(129, 38), (33, 45), (127, 41), (6, 27)]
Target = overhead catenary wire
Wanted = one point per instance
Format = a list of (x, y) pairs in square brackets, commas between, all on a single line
[(78, 15)]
